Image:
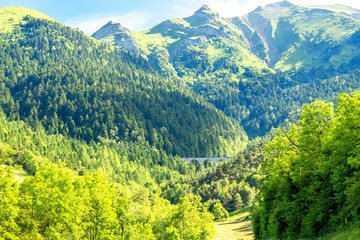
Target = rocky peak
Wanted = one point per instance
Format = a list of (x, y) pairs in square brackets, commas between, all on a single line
[(206, 12), (109, 29)]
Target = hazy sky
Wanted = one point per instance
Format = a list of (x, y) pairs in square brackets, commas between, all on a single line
[(90, 15)]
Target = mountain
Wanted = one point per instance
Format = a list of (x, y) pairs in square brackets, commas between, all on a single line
[(285, 36), (73, 85), (258, 68), (188, 46)]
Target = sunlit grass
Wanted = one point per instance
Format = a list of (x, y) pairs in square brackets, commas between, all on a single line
[(11, 17), (237, 226)]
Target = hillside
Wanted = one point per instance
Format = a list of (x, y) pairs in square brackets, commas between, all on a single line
[(12, 18), (99, 124), (345, 10), (73, 85), (54, 201), (188, 46)]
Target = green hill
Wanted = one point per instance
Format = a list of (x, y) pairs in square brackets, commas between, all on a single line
[(11, 18), (73, 85), (345, 10)]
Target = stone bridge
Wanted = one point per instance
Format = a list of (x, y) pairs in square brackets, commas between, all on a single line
[(203, 159)]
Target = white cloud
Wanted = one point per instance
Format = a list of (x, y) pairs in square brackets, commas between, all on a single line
[(182, 11), (134, 20), (229, 8)]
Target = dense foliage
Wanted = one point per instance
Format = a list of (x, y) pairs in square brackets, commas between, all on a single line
[(267, 101), (56, 203), (122, 163), (227, 187), (55, 76), (311, 181)]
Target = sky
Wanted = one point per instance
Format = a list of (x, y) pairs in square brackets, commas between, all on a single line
[(90, 15)]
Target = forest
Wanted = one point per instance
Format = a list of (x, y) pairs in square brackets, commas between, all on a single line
[(69, 83), (91, 140)]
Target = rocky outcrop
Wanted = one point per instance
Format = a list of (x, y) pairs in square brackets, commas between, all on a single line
[(264, 30), (121, 34), (195, 41), (108, 29), (128, 44)]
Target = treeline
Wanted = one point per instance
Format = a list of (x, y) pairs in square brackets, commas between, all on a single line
[(311, 182), (58, 77), (225, 188)]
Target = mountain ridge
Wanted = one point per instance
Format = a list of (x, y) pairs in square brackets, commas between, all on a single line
[(279, 46), (255, 32)]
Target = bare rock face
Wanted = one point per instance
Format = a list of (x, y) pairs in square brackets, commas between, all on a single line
[(124, 39), (108, 29), (128, 45), (195, 42)]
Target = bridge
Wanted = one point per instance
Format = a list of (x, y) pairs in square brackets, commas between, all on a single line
[(203, 159)]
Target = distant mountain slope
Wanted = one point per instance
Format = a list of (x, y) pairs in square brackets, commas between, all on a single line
[(345, 10), (12, 18), (71, 84), (300, 38)]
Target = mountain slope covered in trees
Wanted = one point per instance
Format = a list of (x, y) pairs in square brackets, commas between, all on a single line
[(259, 68), (71, 84)]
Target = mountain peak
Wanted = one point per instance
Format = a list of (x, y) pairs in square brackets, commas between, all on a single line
[(108, 29), (282, 4), (206, 12)]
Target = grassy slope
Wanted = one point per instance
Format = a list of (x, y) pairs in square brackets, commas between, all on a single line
[(237, 226), (19, 173), (317, 27), (310, 34), (11, 17)]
